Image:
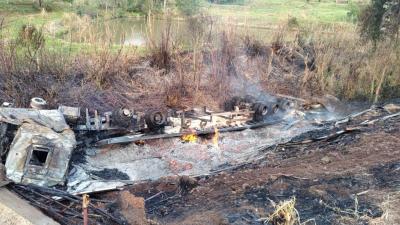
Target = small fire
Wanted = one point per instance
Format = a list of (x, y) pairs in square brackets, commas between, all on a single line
[(216, 136), (189, 137)]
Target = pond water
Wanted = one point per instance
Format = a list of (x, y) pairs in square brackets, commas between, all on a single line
[(138, 31)]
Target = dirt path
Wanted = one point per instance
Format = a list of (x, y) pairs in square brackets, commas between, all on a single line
[(352, 179), (15, 211)]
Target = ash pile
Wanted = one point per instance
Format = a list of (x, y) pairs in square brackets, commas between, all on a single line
[(54, 156)]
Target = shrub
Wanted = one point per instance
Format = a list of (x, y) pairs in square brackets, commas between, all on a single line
[(381, 18), (48, 5), (83, 10), (188, 7), (135, 6), (354, 13), (293, 22), (31, 37)]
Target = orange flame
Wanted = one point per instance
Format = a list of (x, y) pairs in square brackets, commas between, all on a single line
[(190, 137), (216, 136)]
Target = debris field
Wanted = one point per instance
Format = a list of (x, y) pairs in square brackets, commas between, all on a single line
[(281, 161)]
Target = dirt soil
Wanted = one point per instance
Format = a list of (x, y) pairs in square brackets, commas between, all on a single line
[(351, 179), (15, 211)]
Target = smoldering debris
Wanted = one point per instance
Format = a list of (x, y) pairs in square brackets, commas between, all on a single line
[(54, 133), (326, 200), (75, 150), (135, 162)]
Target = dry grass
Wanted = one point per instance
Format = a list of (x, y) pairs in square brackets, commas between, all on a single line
[(303, 62), (349, 68), (285, 214), (391, 212), (336, 62)]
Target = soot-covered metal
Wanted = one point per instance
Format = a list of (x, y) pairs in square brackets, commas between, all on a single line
[(43, 140)]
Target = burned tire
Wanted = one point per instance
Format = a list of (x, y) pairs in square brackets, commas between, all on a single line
[(122, 118), (260, 112), (285, 104), (156, 120), (273, 108)]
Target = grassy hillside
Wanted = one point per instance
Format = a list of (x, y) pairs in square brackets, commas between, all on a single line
[(261, 12)]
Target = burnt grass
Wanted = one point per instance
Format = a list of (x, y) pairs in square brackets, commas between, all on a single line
[(326, 198), (338, 197)]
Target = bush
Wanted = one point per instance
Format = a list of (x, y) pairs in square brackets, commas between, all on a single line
[(188, 7), (293, 22), (29, 36), (354, 12), (380, 19), (371, 19), (82, 10), (135, 6), (48, 5)]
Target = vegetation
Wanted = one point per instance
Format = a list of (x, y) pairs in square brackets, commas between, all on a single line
[(188, 7), (303, 48), (381, 19), (271, 12)]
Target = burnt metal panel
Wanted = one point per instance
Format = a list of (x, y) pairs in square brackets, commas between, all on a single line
[(53, 119), (30, 137)]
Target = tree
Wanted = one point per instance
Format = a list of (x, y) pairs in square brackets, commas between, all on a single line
[(390, 25), (380, 19)]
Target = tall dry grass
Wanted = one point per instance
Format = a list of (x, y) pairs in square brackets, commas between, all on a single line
[(304, 62), (353, 69), (58, 76), (198, 75)]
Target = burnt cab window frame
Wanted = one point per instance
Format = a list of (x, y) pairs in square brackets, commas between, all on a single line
[(43, 148)]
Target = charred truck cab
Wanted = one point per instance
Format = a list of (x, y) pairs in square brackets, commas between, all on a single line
[(41, 148)]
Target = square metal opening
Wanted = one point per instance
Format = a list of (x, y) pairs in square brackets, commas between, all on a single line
[(39, 156)]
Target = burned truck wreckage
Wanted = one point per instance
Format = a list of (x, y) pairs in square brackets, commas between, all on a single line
[(37, 143), (52, 157)]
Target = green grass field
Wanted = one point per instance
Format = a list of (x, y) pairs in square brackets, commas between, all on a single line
[(266, 12)]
